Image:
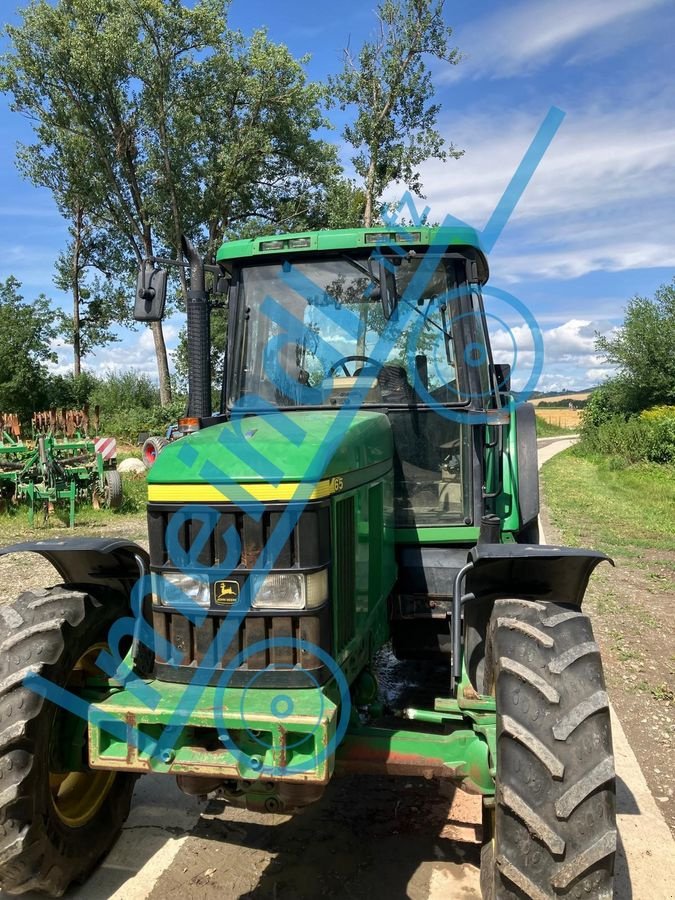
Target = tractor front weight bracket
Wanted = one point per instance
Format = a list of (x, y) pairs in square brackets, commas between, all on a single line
[(224, 739)]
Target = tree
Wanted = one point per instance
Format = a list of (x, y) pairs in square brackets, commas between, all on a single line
[(26, 332), (390, 86), (126, 97), (643, 350), (71, 391), (267, 171), (68, 71), (341, 206), (100, 301)]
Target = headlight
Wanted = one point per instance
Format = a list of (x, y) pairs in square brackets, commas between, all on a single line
[(178, 586), (288, 590)]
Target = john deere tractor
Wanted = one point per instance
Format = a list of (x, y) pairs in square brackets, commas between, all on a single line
[(364, 500)]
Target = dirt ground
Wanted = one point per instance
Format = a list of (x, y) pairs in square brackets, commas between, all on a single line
[(367, 837), (633, 611)]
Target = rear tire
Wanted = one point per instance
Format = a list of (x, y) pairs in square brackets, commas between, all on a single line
[(552, 832), (152, 447), (529, 534), (51, 835)]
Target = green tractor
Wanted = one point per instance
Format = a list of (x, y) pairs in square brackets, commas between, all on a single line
[(360, 513)]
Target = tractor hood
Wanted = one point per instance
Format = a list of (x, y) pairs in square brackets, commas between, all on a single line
[(274, 450)]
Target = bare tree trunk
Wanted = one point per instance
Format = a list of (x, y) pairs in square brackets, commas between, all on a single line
[(77, 345), (163, 373), (77, 352), (162, 364), (370, 188)]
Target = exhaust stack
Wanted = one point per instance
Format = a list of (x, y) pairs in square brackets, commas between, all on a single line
[(198, 336)]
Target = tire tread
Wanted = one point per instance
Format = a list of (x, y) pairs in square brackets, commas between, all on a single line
[(555, 830), (43, 629)]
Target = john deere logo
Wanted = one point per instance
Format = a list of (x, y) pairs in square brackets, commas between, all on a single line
[(226, 592)]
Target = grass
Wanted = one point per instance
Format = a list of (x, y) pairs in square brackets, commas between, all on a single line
[(620, 510), (546, 429), (629, 513)]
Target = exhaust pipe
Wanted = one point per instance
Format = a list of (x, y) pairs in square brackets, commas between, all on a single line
[(198, 336)]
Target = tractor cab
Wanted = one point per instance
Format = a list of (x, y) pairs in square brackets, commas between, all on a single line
[(384, 322)]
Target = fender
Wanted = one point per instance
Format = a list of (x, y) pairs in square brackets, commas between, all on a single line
[(91, 562), (528, 464), (535, 571), (528, 571)]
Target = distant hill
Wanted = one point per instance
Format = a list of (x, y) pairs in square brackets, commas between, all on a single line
[(537, 397), (550, 395), (562, 397)]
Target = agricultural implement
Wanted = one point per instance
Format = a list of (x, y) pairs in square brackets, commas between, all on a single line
[(59, 464), (344, 575)]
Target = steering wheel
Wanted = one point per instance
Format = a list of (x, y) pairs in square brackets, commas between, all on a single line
[(345, 359)]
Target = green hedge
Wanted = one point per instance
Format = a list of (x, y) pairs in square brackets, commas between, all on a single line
[(649, 437), (127, 424)]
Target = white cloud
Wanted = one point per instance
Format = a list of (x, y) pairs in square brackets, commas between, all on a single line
[(146, 340), (523, 37), (601, 199), (136, 352), (570, 359), (598, 374), (64, 353)]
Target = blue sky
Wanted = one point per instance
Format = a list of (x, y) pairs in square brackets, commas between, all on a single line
[(597, 222)]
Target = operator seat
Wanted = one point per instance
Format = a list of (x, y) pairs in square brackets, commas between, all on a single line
[(394, 384)]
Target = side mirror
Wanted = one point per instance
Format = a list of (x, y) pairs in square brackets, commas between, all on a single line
[(222, 285), (388, 290), (503, 373), (150, 293)]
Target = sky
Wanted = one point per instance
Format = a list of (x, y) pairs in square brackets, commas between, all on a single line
[(596, 224)]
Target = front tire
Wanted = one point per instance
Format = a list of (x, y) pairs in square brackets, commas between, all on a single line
[(552, 831), (55, 823)]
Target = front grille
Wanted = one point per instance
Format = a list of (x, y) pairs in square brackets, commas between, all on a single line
[(221, 542), (195, 641), (196, 537)]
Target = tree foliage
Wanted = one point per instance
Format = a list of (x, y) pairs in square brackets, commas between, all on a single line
[(389, 85), (157, 120), (26, 334), (643, 350), (154, 119), (100, 298)]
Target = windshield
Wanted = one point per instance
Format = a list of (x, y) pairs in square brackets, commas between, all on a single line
[(313, 333)]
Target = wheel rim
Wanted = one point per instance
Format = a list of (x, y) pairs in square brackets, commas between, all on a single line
[(150, 454), (78, 796)]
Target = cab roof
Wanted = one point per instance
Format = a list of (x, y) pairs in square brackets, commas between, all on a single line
[(462, 239)]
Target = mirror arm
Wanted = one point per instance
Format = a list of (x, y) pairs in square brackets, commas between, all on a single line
[(214, 269)]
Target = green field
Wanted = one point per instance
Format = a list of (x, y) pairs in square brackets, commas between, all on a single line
[(546, 429), (620, 510)]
